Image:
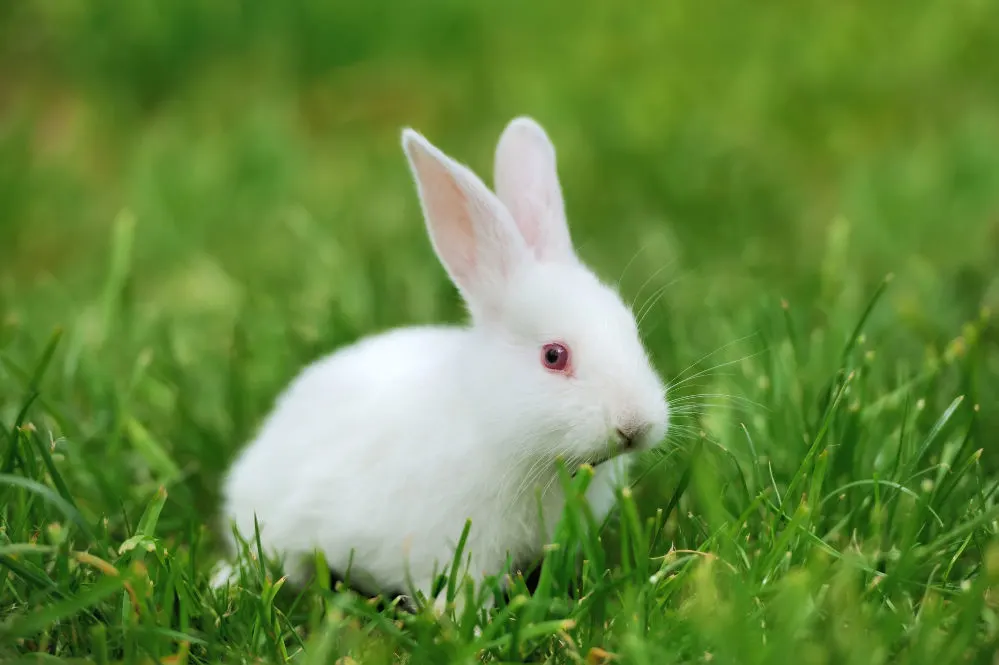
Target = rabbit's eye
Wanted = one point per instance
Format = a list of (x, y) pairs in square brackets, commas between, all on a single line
[(555, 357)]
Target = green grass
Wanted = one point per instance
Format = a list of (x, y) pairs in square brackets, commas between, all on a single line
[(198, 198)]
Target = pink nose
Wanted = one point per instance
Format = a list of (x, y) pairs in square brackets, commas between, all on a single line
[(629, 433)]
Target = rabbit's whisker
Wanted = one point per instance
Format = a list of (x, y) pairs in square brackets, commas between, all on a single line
[(686, 369)]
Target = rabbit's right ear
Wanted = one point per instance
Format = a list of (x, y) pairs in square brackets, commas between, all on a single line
[(472, 232), (527, 183)]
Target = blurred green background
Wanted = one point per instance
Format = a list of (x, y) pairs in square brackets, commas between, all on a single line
[(207, 195)]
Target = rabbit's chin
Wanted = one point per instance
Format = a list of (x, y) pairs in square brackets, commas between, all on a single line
[(600, 460)]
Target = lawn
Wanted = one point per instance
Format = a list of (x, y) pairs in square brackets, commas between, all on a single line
[(801, 199)]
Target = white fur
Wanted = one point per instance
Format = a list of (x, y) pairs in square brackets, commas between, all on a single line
[(387, 446)]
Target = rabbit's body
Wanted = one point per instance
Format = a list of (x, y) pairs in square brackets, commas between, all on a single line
[(410, 475), (379, 453)]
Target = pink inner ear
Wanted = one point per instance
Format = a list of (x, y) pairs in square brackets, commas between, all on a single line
[(537, 218), (514, 189), (527, 183), (534, 212), (529, 227), (449, 217)]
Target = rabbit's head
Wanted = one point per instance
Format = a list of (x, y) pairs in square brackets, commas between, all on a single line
[(562, 348)]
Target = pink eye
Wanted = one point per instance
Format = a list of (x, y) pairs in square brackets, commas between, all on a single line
[(555, 357)]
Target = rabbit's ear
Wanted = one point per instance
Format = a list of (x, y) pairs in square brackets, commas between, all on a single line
[(526, 180), (471, 230)]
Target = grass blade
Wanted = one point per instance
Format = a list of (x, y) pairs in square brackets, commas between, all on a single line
[(932, 436), (46, 493), (46, 359), (30, 624)]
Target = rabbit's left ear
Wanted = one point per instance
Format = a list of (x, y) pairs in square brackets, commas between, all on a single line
[(526, 181), (471, 230)]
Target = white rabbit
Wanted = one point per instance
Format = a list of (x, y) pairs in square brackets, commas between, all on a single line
[(387, 446)]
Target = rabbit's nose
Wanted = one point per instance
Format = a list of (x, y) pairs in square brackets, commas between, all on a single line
[(630, 433)]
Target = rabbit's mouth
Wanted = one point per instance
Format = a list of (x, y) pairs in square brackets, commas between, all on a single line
[(601, 460), (579, 468), (622, 443), (594, 463)]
